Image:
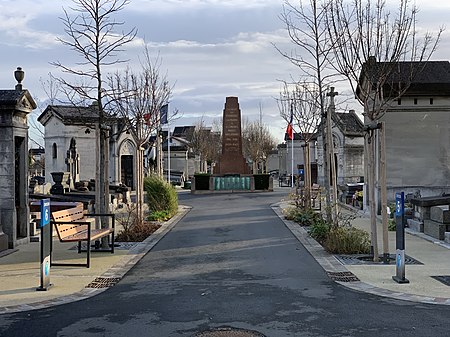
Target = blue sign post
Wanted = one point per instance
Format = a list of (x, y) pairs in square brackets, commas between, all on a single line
[(46, 237), (400, 238)]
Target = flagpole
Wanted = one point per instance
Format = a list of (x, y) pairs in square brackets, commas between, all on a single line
[(292, 145), (168, 150), (292, 160)]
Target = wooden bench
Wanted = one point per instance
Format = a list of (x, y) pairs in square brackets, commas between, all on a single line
[(73, 225)]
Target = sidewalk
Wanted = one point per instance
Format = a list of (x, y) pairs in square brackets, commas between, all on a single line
[(377, 278), (19, 271)]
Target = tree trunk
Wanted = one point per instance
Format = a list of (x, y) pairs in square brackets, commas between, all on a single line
[(326, 175), (307, 175), (139, 184), (384, 214), (333, 182), (102, 181), (372, 205)]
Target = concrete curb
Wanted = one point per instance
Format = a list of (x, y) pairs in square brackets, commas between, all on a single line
[(330, 264), (116, 271)]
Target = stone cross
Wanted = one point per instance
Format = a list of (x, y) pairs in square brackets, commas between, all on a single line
[(331, 94)]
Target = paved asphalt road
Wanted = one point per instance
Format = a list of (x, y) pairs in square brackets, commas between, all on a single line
[(230, 263)]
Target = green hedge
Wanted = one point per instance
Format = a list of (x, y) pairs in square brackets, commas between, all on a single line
[(161, 196), (202, 181), (261, 181)]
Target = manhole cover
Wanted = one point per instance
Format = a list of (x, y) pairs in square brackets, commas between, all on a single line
[(443, 279), (344, 276), (229, 332), (103, 282)]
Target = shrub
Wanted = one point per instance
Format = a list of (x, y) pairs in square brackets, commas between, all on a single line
[(347, 240), (302, 216), (319, 229), (133, 230), (159, 216), (392, 226), (161, 196)]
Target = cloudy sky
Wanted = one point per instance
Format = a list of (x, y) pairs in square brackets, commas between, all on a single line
[(211, 49)]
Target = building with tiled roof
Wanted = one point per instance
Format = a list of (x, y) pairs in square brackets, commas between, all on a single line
[(418, 128), (69, 136)]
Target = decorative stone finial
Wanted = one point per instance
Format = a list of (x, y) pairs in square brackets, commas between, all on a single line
[(19, 74)]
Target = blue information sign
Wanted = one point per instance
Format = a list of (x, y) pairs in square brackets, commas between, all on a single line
[(45, 212), (46, 237), (399, 204)]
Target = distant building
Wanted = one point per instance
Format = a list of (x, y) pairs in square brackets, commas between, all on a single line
[(70, 142), (287, 165), (37, 162), (348, 148)]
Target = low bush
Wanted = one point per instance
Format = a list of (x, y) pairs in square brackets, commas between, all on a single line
[(392, 225), (304, 217), (159, 216), (347, 240), (137, 232), (319, 230), (133, 230), (161, 196)]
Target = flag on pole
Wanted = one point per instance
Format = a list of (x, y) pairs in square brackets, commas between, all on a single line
[(163, 113), (289, 130)]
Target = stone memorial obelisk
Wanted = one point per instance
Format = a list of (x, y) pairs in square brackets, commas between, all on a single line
[(232, 160)]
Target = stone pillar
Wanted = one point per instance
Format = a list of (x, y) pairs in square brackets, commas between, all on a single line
[(232, 160), (15, 105)]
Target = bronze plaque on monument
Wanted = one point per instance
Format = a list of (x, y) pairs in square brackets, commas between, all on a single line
[(232, 160)]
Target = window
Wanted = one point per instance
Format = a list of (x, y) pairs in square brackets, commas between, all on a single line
[(415, 101), (431, 101), (399, 101), (54, 151)]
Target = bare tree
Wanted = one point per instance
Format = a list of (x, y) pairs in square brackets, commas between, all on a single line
[(205, 143), (91, 30), (257, 142), (379, 51), (302, 101), (138, 99), (305, 23)]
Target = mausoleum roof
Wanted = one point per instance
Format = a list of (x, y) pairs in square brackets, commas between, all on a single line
[(13, 97), (430, 78), (349, 123)]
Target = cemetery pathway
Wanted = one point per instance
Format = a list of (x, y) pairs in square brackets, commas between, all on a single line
[(230, 265)]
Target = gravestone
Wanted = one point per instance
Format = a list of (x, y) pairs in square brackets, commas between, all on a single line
[(15, 105), (232, 160)]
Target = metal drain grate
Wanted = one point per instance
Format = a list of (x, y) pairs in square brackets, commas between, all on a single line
[(228, 332), (117, 246), (443, 279), (103, 282), (344, 276), (364, 259)]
